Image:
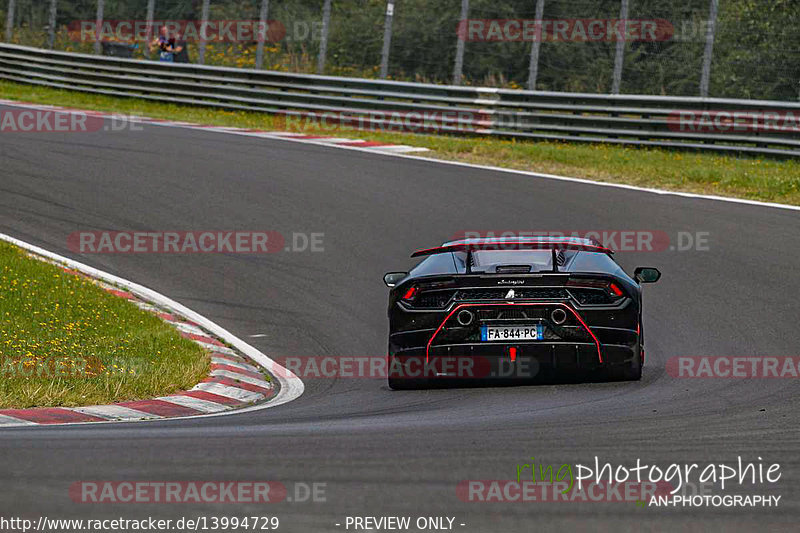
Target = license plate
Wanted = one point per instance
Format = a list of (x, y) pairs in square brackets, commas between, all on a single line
[(511, 333)]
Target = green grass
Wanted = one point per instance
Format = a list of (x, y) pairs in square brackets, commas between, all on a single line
[(64, 341), (743, 177)]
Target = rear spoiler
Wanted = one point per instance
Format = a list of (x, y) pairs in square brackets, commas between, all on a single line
[(513, 245)]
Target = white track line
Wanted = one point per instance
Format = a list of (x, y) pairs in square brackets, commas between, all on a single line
[(280, 134), (388, 150), (319, 139), (399, 149), (590, 182), (341, 140)]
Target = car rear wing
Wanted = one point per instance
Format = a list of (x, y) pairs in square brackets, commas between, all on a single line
[(555, 245)]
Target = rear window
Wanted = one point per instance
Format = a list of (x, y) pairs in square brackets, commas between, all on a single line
[(513, 257)]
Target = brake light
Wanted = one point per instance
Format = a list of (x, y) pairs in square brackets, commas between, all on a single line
[(512, 353), (616, 290), (410, 293)]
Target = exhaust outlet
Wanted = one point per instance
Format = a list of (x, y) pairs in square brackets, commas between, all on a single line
[(465, 317), (558, 316)]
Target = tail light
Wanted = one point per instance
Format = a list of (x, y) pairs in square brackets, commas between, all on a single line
[(616, 291), (595, 291)]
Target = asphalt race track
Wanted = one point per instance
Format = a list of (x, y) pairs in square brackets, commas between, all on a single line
[(402, 453)]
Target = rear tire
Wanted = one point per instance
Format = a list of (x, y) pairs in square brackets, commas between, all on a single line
[(631, 371), (399, 381)]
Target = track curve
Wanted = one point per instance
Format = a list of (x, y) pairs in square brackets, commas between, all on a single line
[(383, 452)]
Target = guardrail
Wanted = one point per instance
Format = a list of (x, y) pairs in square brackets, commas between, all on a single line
[(709, 124)]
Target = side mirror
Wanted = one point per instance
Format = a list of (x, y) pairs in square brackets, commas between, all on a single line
[(392, 278), (647, 274)]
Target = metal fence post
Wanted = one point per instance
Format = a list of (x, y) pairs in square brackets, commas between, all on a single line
[(323, 43), (620, 55), (262, 33), (201, 45), (10, 20), (705, 75), (148, 36), (533, 66), (51, 29), (98, 25), (462, 37), (387, 38)]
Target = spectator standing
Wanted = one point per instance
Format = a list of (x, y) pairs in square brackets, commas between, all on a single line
[(164, 44), (180, 49)]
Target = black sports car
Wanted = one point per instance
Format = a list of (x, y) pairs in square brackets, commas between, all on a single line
[(515, 308)]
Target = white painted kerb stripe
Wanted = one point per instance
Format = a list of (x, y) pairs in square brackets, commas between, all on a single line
[(241, 377), (114, 412), (187, 328), (147, 307), (11, 421), (214, 348), (196, 403), (243, 366), (229, 392)]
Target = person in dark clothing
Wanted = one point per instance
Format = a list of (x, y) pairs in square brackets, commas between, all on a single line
[(164, 44), (180, 49)]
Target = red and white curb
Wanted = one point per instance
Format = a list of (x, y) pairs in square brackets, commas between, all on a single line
[(372, 146), (236, 382)]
